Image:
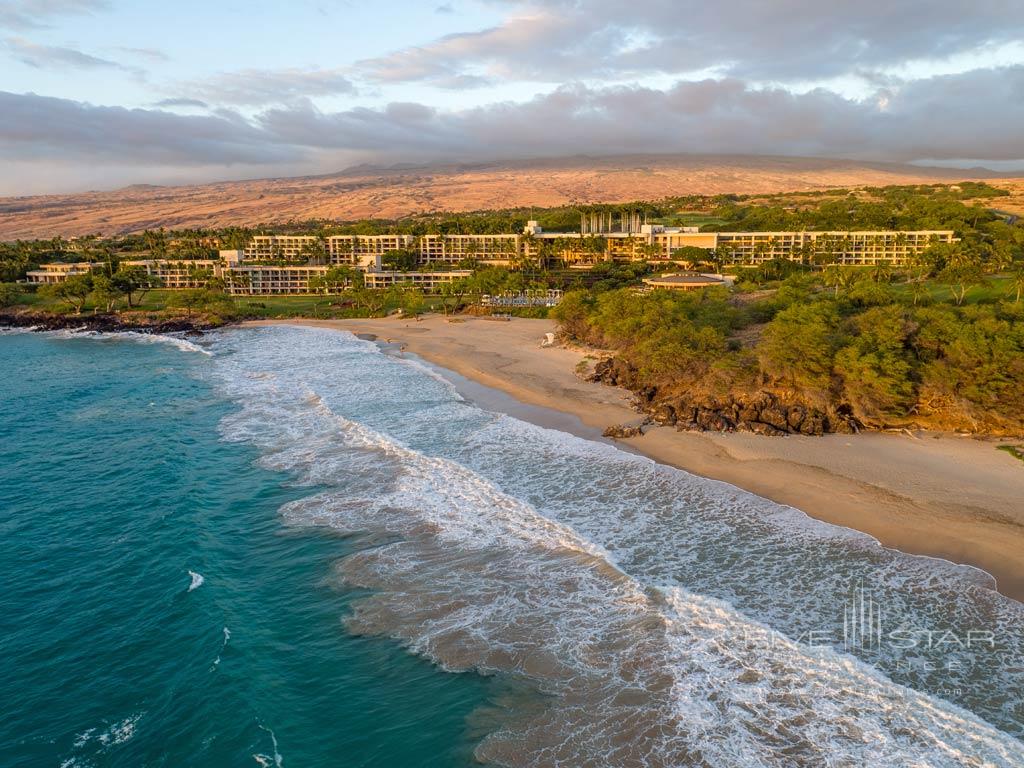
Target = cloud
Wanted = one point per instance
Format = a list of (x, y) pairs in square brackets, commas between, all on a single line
[(54, 130), (540, 47), (559, 40), (257, 87), (153, 54), (187, 103), (972, 117), (34, 14), (57, 57)]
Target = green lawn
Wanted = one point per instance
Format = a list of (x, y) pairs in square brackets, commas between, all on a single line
[(994, 288), (689, 219)]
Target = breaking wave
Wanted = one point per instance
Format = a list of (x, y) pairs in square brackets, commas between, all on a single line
[(662, 618), (135, 336)]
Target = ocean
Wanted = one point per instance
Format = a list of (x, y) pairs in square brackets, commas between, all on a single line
[(282, 546)]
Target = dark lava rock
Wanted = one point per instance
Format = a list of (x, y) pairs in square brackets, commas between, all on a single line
[(621, 430)]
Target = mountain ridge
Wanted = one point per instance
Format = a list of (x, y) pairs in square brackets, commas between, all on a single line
[(405, 189)]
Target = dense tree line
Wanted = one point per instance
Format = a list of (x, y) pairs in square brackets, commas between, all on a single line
[(874, 353), (962, 207)]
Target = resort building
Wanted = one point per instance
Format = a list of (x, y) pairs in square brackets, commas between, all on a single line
[(451, 249), (847, 248), (59, 272), (285, 264), (270, 280), (429, 282), (365, 250), (653, 242), (178, 274), (282, 247)]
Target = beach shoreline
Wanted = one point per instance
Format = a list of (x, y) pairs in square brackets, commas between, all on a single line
[(949, 497)]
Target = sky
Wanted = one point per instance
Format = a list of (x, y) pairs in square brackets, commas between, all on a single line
[(98, 94)]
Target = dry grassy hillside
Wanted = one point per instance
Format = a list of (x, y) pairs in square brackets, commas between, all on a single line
[(377, 193)]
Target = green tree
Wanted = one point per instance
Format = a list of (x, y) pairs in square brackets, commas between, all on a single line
[(868, 293), (75, 291), (412, 301), (9, 293), (371, 300), (400, 261), (452, 293), (106, 291), (960, 275), (799, 346), (875, 366), (1017, 283), (837, 277), (132, 280), (189, 299)]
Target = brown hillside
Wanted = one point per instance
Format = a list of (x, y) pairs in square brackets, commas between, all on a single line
[(392, 193)]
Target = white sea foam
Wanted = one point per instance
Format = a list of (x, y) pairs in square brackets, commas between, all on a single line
[(8, 331), (134, 336), (162, 338), (661, 612), (224, 644), (275, 759), (107, 736), (197, 580)]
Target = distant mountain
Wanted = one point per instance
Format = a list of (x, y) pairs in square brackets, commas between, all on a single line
[(366, 191)]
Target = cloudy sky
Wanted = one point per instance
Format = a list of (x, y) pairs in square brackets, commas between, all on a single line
[(95, 94)]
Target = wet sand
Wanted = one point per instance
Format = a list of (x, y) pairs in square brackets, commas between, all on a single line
[(944, 496)]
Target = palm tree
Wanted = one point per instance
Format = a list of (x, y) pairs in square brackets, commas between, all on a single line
[(837, 277), (919, 290), (1017, 284)]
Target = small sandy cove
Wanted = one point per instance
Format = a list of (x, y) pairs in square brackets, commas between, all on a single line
[(952, 497)]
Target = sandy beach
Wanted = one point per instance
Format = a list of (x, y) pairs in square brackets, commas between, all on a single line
[(944, 496)]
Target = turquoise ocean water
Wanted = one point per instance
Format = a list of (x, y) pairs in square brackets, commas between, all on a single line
[(114, 484), (280, 546)]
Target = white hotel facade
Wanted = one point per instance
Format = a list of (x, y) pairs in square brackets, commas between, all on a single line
[(286, 264)]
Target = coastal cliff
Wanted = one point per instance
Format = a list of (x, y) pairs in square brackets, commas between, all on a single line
[(762, 412), (103, 323)]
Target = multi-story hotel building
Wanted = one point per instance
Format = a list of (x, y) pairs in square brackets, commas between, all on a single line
[(451, 249), (867, 248), (365, 250), (254, 271), (59, 272), (429, 282), (655, 243), (281, 247), (178, 274)]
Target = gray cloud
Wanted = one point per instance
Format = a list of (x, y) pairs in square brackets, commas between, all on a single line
[(256, 87), (49, 129), (559, 40), (33, 14), (974, 116), (57, 57), (189, 103)]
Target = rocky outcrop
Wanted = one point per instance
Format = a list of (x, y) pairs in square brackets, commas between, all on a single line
[(762, 412), (618, 431), (42, 321)]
